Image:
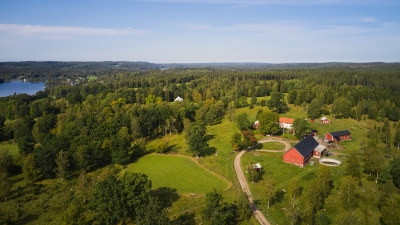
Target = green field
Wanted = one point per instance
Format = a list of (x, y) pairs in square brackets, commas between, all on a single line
[(10, 147), (283, 174), (179, 173), (273, 146)]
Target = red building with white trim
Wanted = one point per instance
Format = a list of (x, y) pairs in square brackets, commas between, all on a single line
[(301, 153), (338, 136)]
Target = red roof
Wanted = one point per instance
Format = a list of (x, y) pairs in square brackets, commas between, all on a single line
[(286, 120)]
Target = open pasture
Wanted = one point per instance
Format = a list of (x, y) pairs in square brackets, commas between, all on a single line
[(179, 173)]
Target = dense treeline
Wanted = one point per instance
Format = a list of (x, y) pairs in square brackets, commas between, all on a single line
[(113, 116), (67, 128)]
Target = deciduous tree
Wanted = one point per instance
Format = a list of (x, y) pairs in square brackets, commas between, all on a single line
[(301, 128), (242, 121), (342, 107), (269, 122), (314, 109), (195, 137), (216, 211), (277, 103), (62, 162)]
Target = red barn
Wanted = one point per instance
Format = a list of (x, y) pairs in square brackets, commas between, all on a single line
[(338, 136), (301, 152)]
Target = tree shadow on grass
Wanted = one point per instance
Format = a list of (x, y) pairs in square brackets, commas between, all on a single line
[(278, 197), (258, 146), (209, 151), (173, 149), (208, 137), (185, 219), (165, 195)]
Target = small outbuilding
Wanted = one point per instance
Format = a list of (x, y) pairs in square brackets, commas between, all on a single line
[(338, 136), (178, 99), (318, 151), (256, 125), (257, 167), (325, 120)]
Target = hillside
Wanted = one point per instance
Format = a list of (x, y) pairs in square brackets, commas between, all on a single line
[(116, 148)]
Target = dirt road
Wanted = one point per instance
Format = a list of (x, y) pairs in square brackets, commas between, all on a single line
[(243, 182), (245, 187)]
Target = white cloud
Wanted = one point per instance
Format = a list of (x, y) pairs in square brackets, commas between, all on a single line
[(55, 31), (368, 19), (286, 29)]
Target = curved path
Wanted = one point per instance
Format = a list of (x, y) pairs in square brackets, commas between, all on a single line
[(243, 182), (245, 187)]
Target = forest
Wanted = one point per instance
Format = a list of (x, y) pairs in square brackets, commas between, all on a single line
[(78, 139)]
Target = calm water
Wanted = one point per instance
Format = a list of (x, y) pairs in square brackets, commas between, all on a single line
[(20, 87)]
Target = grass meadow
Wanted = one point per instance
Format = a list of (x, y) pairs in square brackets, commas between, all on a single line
[(177, 172)]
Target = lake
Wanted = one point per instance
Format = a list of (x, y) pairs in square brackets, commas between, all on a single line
[(20, 87)]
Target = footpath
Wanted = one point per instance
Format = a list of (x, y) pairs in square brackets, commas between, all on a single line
[(243, 181)]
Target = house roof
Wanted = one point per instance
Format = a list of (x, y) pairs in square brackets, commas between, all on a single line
[(286, 120), (178, 99), (319, 148), (306, 146), (340, 133), (257, 166)]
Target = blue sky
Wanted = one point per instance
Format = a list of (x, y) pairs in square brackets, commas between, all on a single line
[(167, 31)]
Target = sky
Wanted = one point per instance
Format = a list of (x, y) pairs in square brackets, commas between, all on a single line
[(200, 31)]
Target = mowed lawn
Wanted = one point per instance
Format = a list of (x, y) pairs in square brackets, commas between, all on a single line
[(177, 172)]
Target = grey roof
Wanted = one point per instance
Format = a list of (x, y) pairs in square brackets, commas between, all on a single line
[(306, 146), (340, 133), (319, 148)]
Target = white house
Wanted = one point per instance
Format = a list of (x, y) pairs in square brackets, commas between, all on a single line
[(178, 99)]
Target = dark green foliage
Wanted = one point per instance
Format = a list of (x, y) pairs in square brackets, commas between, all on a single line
[(236, 141), (301, 128), (242, 121), (396, 138), (253, 174), (248, 139), (391, 211), (341, 107), (268, 122), (348, 217), (216, 211), (195, 137), (2, 128), (277, 103), (321, 219), (115, 200), (314, 109), (23, 135), (243, 207), (349, 195), (152, 214), (395, 171), (119, 148), (353, 165), (74, 214), (108, 201), (373, 161)]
